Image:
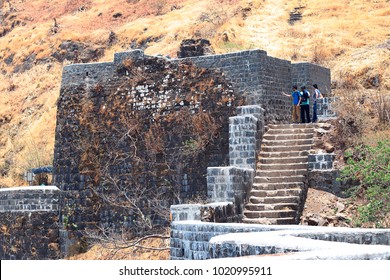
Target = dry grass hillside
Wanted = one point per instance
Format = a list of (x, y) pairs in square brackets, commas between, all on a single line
[(351, 37)]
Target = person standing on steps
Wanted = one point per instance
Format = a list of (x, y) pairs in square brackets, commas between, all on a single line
[(304, 104), (316, 95), (295, 100)]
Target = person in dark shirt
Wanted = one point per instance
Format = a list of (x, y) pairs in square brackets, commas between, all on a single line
[(304, 103)]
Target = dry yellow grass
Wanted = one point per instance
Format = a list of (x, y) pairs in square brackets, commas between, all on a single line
[(351, 37)]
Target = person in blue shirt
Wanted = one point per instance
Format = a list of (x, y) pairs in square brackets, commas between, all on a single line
[(295, 103), (304, 104)]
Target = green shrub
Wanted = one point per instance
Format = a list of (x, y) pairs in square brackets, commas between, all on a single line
[(370, 168)]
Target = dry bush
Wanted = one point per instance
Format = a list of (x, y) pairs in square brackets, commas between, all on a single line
[(381, 105), (353, 118), (347, 81)]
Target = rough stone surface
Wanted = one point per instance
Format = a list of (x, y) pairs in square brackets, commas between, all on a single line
[(229, 184), (174, 111), (31, 199), (321, 161), (325, 108), (185, 212), (192, 47), (259, 77), (29, 223), (326, 180), (243, 141)]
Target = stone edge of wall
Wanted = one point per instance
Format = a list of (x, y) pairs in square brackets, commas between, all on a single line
[(310, 243), (29, 199), (195, 240)]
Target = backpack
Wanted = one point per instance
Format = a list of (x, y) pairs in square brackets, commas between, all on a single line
[(305, 96)]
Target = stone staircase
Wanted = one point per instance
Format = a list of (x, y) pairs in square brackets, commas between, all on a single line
[(279, 189)]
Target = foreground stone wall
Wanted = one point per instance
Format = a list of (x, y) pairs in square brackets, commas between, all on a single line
[(195, 240), (190, 239), (29, 223)]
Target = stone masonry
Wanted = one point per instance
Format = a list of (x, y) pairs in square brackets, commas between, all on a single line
[(279, 190), (98, 101), (29, 223), (196, 240)]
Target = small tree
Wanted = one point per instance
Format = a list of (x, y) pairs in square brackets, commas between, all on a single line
[(370, 168)]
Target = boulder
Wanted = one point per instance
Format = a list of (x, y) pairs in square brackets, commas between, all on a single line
[(192, 47)]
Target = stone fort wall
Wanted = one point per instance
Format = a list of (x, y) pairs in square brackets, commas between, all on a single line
[(242, 78), (94, 98)]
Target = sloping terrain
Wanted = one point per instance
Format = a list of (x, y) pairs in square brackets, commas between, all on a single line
[(38, 37)]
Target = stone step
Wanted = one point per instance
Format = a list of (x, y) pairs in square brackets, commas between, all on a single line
[(282, 166), (288, 143), (295, 148), (266, 221), (290, 131), (291, 126), (275, 206), (285, 179), (280, 132), (273, 214), (284, 154), (280, 173), (282, 160), (275, 193), (278, 186), (288, 136), (273, 200)]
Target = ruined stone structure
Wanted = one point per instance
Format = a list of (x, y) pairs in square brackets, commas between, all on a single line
[(150, 86), (166, 128)]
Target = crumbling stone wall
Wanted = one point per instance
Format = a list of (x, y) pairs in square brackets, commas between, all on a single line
[(148, 122), (29, 223), (140, 123)]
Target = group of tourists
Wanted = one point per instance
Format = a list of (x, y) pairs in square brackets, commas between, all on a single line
[(301, 104)]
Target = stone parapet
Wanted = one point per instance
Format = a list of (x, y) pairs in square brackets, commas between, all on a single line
[(258, 77), (190, 239), (243, 141), (185, 212), (229, 184), (306, 243)]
